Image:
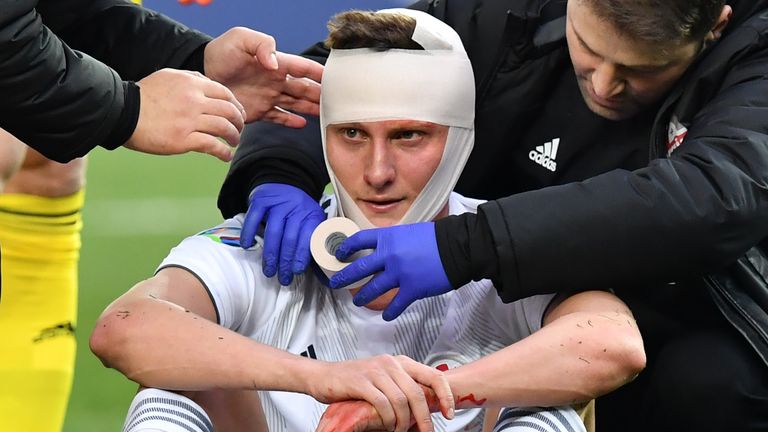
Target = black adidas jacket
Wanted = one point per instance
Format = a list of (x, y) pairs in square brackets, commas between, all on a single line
[(690, 216), (60, 101)]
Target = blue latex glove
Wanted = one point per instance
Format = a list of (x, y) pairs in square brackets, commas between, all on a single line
[(406, 256), (291, 216)]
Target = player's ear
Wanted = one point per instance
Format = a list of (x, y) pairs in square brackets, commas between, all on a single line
[(720, 24)]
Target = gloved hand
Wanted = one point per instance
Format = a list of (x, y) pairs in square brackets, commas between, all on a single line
[(406, 256), (291, 216)]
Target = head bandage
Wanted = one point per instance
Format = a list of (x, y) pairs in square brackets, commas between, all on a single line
[(435, 85)]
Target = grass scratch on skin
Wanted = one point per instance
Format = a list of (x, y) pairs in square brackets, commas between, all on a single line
[(585, 360)]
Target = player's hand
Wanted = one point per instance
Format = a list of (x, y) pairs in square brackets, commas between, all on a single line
[(405, 256), (291, 217), (184, 111), (267, 82), (358, 416), (391, 384)]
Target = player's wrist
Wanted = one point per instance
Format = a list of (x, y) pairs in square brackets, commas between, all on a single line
[(306, 375), (468, 392)]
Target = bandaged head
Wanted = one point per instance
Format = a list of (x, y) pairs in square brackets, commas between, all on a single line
[(434, 85)]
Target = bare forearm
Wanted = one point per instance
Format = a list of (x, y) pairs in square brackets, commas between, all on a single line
[(159, 344), (575, 359)]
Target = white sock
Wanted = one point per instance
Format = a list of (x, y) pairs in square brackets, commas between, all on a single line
[(537, 419), (154, 410)]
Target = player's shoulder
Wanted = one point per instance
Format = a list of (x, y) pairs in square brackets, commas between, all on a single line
[(226, 233), (218, 246)]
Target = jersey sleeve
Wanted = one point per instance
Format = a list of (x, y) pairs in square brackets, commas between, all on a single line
[(534, 308), (231, 275), (521, 318)]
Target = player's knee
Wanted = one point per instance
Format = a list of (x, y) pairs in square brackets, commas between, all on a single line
[(155, 410), (538, 419)]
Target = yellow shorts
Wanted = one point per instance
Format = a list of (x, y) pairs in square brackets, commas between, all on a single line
[(39, 250)]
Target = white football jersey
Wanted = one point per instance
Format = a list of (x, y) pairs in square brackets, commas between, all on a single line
[(309, 319)]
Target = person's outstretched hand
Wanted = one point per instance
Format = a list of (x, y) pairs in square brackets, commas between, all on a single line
[(267, 82), (405, 255), (183, 111), (291, 217)]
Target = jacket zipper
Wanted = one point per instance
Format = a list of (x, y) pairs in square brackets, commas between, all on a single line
[(501, 53)]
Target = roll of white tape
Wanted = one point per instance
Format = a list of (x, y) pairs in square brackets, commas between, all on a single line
[(326, 239)]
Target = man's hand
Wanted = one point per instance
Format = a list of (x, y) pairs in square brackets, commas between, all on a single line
[(267, 82), (291, 216), (185, 111), (405, 256), (393, 385), (359, 416)]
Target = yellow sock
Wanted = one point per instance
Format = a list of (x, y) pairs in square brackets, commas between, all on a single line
[(39, 250)]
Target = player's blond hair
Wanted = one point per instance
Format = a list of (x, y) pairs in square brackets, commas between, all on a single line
[(365, 29)]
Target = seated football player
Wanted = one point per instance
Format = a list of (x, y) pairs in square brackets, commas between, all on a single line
[(220, 344)]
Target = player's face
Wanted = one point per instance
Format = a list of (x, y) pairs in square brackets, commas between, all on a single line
[(384, 165), (618, 77)]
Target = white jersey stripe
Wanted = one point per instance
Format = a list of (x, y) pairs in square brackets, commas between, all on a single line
[(555, 419), (555, 145)]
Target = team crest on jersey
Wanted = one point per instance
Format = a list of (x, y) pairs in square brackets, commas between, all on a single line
[(675, 134), (229, 236), (445, 360)]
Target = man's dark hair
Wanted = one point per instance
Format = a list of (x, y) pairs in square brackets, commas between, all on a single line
[(364, 29), (660, 21)]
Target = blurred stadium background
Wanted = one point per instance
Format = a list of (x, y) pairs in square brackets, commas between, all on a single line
[(139, 206)]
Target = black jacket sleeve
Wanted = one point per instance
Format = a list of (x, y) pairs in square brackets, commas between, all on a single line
[(60, 100), (686, 215)]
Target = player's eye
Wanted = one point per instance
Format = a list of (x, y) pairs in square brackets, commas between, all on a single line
[(408, 135), (351, 133)]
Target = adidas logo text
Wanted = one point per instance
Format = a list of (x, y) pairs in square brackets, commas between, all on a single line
[(545, 155)]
